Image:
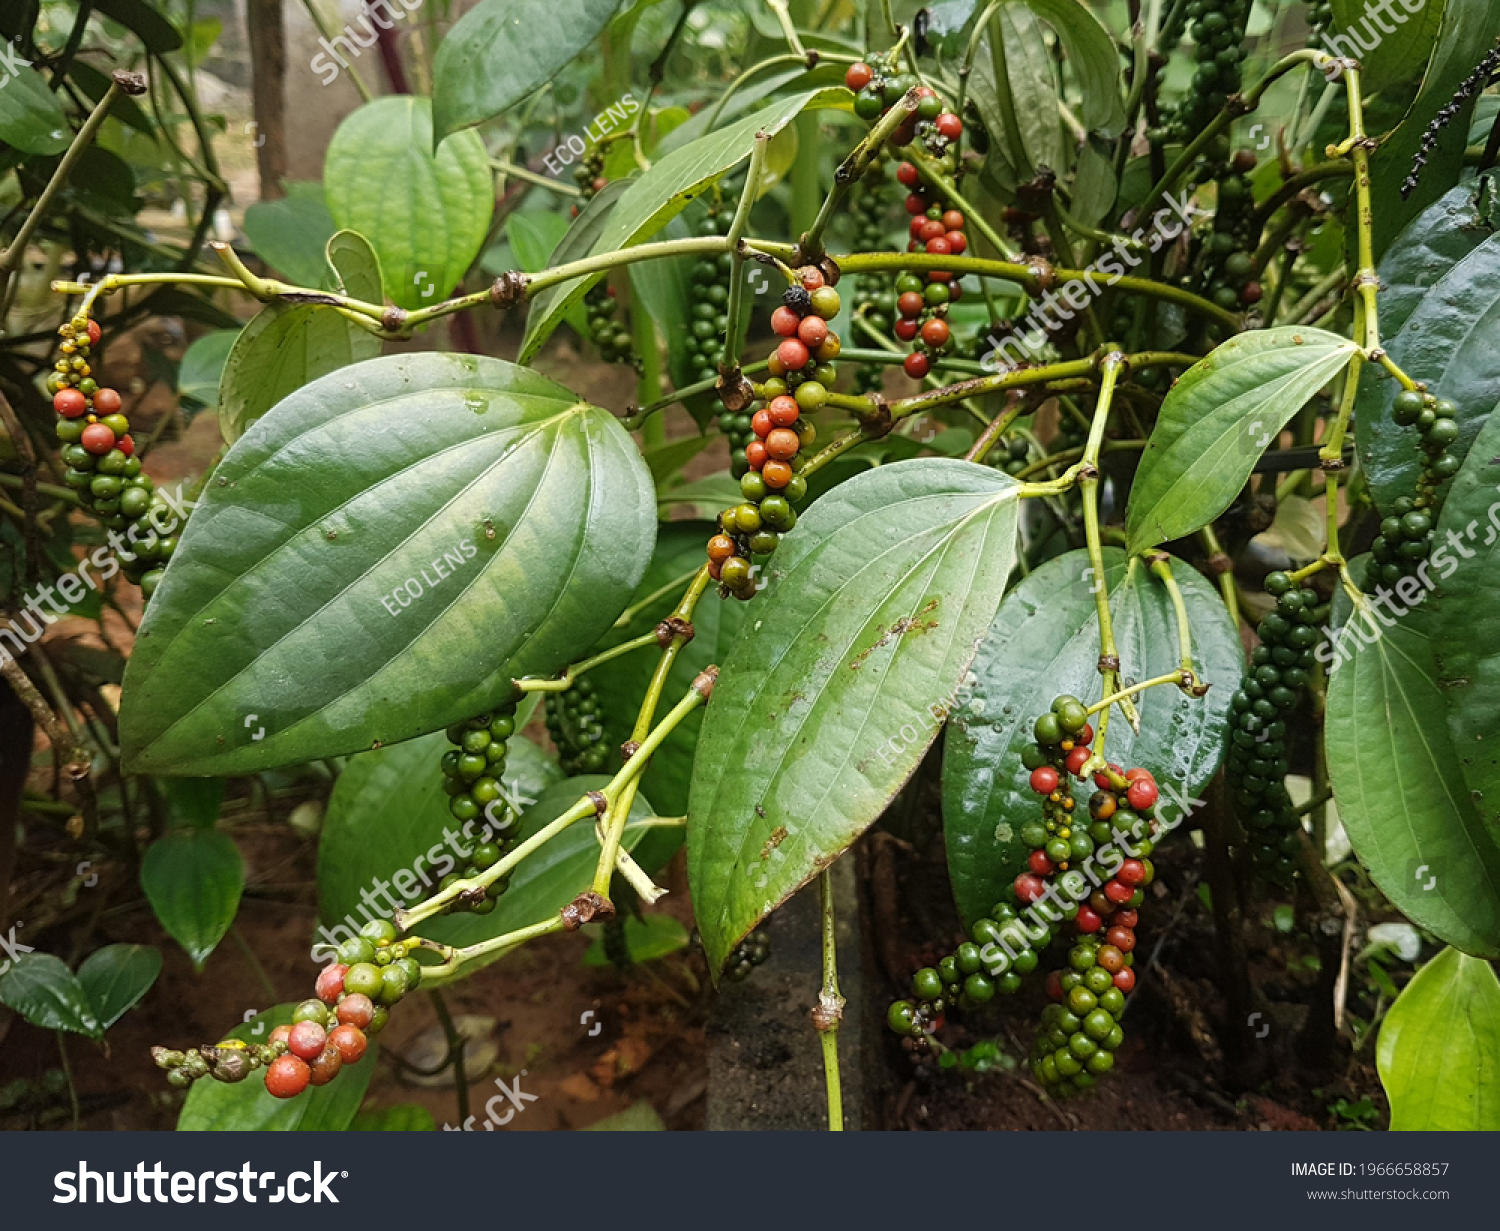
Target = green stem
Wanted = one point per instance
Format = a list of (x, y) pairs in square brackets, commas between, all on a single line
[(830, 1005), (1228, 587), (849, 172), (455, 1050), (528, 176), (1161, 569), (735, 312), (565, 681), (67, 1068)]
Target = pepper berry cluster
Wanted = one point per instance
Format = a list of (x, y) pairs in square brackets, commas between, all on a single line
[(1405, 538), (710, 299), (878, 87), (577, 728), (801, 374), (610, 335), (1257, 764), (922, 304), (99, 454), (1226, 259), (1220, 48), (354, 997)]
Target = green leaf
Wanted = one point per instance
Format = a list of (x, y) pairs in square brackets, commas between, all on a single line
[(501, 51), (31, 116), (402, 1118), (43, 991), (115, 978), (1218, 420), (1399, 785), (575, 245), (291, 235), (1466, 624), (1391, 61), (492, 497), (702, 498), (356, 266), (155, 31), (1439, 1048), (647, 939), (1468, 33), (1035, 94), (203, 365), (1045, 642), (1447, 342), (535, 234), (246, 1106), (621, 683), (877, 601), (193, 880), (193, 803), (650, 201), (666, 461), (425, 214), (1091, 54), (388, 820)]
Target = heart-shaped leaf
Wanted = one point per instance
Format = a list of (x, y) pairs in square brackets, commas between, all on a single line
[(31, 116), (203, 366), (1399, 785), (500, 51), (1045, 642), (650, 201), (193, 880), (378, 557), (1217, 421), (246, 1106), (115, 978), (44, 991), (877, 601), (621, 683), (388, 825), (1439, 1048), (1466, 624), (425, 213), (1448, 342)]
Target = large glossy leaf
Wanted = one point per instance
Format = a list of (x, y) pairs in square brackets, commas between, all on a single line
[(553, 306), (1439, 1048), (652, 200), (502, 50), (31, 116), (1045, 642), (1448, 342), (1035, 96), (43, 990), (213, 1106), (1399, 786), (193, 880), (1467, 34), (877, 602), (377, 557), (388, 821), (115, 978), (1091, 55), (291, 235), (1217, 421), (621, 684), (425, 213), (1390, 61), (1467, 619), (286, 346)]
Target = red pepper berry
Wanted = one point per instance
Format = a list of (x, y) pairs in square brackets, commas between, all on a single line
[(1110, 958), (1117, 893), (1044, 780), (777, 474), (784, 321), (794, 354), (1139, 775), (326, 1067), (958, 243), (71, 404), (720, 548), (915, 365), (1131, 872), (1028, 887), (940, 275), (756, 455), (1088, 920), (97, 439), (1084, 737), (287, 1077), (127, 446), (812, 278), (760, 423), (308, 1039), (1125, 979), (907, 174), (936, 333), (1101, 779), (953, 220), (1054, 985), (1038, 862), (932, 230), (782, 444), (95, 333), (915, 204), (281, 1034), (783, 411), (910, 304), (331, 983), (917, 224), (1142, 794), (950, 126), (812, 332), (350, 1041), (1125, 918), (1122, 939), (938, 246), (599, 185), (858, 76), (107, 402), (906, 330), (1077, 759)]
